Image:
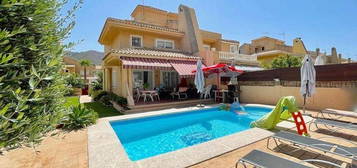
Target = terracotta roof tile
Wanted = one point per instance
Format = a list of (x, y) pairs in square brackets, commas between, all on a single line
[(145, 25), (154, 53)]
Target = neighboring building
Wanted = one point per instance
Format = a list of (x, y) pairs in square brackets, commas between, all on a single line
[(158, 48), (265, 49), (73, 66)]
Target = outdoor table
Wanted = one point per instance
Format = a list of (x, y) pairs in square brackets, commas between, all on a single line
[(223, 91), (148, 92)]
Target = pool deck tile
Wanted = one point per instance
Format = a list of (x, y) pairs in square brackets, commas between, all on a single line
[(105, 149)]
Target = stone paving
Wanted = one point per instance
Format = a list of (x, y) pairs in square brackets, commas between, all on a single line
[(85, 99), (64, 150), (229, 159), (67, 150)]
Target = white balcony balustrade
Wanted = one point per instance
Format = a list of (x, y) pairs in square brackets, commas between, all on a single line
[(237, 57)]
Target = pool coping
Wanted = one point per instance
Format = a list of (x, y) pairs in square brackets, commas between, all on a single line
[(106, 150)]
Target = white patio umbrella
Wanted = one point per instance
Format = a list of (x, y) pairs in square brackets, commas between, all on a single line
[(199, 78), (308, 78), (319, 60)]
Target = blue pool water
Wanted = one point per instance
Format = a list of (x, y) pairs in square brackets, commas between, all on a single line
[(150, 136)]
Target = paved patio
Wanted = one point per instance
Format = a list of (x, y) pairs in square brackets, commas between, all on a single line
[(67, 150)]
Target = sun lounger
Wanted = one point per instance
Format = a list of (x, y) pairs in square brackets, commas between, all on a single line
[(266, 160), (339, 125), (338, 113), (307, 142)]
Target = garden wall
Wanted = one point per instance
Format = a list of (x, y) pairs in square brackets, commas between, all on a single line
[(336, 86)]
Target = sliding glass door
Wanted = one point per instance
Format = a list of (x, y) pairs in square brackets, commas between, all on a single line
[(143, 79)]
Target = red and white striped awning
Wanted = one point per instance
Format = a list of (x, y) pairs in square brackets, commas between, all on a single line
[(145, 63), (183, 68)]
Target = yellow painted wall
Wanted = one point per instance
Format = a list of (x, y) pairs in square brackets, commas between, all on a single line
[(338, 98), (267, 59), (78, 68), (298, 46), (155, 16), (267, 43), (225, 47), (122, 40)]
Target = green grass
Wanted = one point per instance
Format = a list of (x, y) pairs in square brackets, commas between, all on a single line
[(103, 111)]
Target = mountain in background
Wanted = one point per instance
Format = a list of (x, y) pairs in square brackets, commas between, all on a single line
[(94, 56)]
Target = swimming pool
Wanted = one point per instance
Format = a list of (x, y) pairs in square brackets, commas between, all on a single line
[(150, 136)]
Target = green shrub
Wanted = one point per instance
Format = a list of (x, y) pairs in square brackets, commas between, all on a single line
[(97, 84), (32, 35), (100, 95), (73, 80), (287, 61), (105, 97), (79, 117), (105, 100), (118, 99)]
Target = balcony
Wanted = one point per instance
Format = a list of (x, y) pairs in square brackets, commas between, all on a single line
[(237, 57)]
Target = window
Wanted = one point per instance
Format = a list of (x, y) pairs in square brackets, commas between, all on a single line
[(142, 78), (136, 41), (169, 79), (206, 47), (233, 48), (263, 48), (166, 44)]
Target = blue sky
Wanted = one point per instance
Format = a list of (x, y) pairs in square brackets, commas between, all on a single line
[(320, 23)]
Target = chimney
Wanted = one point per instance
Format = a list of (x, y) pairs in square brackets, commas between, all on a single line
[(187, 22), (317, 52), (334, 58), (339, 58), (349, 60)]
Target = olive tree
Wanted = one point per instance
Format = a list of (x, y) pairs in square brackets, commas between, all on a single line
[(32, 34)]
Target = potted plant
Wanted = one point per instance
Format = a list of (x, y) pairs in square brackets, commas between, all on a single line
[(146, 86), (73, 81)]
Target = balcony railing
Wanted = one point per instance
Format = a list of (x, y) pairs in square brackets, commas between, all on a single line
[(237, 57)]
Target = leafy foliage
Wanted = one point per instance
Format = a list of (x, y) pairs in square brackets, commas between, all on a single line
[(287, 61), (105, 97), (98, 84), (31, 85), (73, 80), (79, 117), (85, 63)]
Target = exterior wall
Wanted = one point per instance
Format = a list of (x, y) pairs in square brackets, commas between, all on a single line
[(267, 59), (207, 35), (299, 47), (78, 69), (122, 40), (155, 16), (192, 41), (225, 46), (337, 98), (245, 49)]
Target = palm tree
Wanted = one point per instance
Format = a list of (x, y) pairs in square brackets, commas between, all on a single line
[(85, 63)]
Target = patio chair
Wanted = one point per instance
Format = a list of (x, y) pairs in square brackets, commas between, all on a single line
[(265, 160), (336, 114), (181, 91), (337, 125), (207, 93), (141, 95), (317, 144), (156, 94)]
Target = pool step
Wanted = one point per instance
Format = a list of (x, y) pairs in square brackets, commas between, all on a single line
[(165, 105)]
